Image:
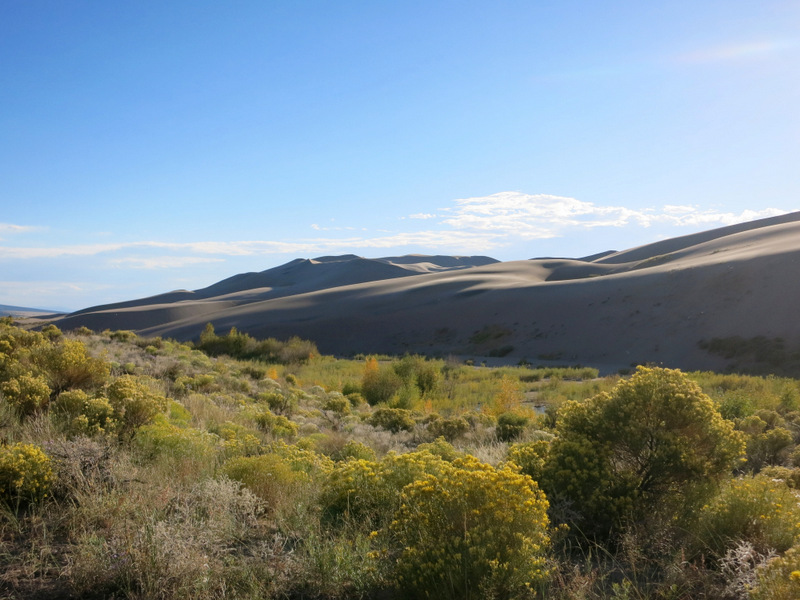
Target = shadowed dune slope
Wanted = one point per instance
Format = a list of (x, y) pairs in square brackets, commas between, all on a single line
[(655, 303)]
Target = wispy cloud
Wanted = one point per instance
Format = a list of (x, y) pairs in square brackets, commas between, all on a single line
[(476, 224), (544, 216), (162, 262), (422, 216), (12, 229)]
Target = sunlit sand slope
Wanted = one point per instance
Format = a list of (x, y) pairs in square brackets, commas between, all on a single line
[(655, 303)]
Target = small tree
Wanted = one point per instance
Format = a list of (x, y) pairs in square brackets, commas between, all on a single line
[(379, 385), (655, 443)]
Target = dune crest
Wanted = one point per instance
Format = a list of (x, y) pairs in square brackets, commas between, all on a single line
[(661, 303)]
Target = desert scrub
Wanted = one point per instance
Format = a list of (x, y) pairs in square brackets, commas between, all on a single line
[(162, 439), (26, 474), (473, 531), (272, 478), (276, 425), (392, 419), (183, 553), (760, 510)]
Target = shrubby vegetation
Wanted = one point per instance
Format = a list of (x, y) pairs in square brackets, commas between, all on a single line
[(239, 468)]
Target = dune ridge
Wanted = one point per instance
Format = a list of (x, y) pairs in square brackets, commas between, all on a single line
[(657, 303)]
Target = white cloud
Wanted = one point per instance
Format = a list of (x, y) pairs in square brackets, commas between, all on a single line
[(476, 224), (162, 262), (422, 216), (10, 228), (543, 216)]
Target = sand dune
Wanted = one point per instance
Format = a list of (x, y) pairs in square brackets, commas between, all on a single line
[(655, 303)]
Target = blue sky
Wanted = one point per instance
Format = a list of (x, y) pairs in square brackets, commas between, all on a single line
[(150, 146)]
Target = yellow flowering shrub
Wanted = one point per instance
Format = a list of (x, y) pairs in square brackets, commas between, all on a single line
[(530, 457), (301, 459), (277, 425), (237, 440), (760, 510), (68, 365), (81, 414), (26, 474), (473, 531), (135, 400), (28, 394), (368, 491), (779, 579)]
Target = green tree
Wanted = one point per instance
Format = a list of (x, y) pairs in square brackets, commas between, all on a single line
[(654, 445)]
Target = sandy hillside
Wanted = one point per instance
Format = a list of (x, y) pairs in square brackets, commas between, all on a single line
[(658, 303)]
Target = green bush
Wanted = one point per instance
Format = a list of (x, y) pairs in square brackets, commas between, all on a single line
[(392, 419), (185, 450), (654, 446), (337, 404), (379, 384), (448, 428), (510, 426), (276, 425), (279, 403), (472, 531), (269, 476), (26, 474)]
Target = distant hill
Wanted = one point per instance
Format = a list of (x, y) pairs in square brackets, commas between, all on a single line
[(680, 302), (22, 311)]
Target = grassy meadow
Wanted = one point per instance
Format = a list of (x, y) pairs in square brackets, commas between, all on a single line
[(242, 468)]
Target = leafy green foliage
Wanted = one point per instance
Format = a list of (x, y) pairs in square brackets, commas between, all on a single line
[(510, 426), (379, 384), (392, 419), (241, 345), (668, 443)]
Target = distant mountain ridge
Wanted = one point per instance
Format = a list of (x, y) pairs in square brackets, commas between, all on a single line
[(659, 303)]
